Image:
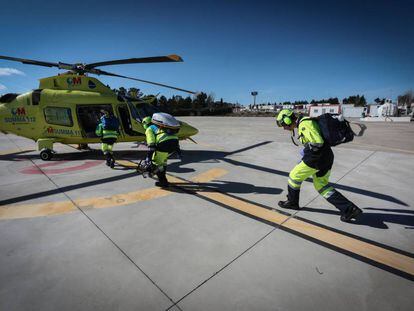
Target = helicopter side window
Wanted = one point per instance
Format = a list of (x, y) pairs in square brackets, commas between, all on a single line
[(58, 116), (36, 96)]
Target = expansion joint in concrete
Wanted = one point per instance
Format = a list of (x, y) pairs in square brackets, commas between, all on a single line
[(101, 230)]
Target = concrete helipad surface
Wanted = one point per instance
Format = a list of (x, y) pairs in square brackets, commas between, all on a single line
[(76, 235)]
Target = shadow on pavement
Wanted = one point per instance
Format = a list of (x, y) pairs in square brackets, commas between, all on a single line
[(375, 220), (189, 156), (67, 188), (223, 186), (228, 187), (94, 154)]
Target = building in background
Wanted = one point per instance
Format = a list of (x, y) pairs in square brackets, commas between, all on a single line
[(388, 109), (372, 109), (350, 111), (385, 109), (322, 108)]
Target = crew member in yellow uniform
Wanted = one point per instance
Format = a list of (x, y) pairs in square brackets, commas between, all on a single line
[(108, 130), (160, 132), (317, 162)]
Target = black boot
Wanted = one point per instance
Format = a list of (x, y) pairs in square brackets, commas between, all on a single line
[(292, 201), (162, 179), (352, 212), (108, 158), (348, 209), (288, 204), (112, 164)]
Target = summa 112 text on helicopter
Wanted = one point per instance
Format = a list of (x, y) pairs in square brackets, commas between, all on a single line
[(66, 108)]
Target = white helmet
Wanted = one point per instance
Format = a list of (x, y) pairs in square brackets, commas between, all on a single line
[(163, 119)]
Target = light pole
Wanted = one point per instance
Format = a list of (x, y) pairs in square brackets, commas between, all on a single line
[(254, 94)]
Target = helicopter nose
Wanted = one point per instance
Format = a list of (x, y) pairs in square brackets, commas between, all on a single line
[(187, 130), (191, 130)]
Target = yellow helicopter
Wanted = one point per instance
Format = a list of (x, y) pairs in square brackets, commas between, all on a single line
[(66, 108)]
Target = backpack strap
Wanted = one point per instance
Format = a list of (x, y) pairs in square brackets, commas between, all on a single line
[(292, 137), (362, 128)]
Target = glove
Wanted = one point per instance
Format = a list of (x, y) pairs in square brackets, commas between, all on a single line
[(302, 154)]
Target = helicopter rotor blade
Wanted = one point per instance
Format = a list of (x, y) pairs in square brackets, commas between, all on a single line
[(91, 68), (101, 72), (154, 59), (30, 61)]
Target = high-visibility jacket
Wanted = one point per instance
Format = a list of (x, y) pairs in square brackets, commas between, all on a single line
[(105, 133), (156, 135), (309, 133), (317, 154), (163, 143)]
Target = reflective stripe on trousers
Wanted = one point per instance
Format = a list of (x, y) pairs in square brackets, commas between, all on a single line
[(302, 171), (107, 147), (299, 173), (327, 191), (160, 158)]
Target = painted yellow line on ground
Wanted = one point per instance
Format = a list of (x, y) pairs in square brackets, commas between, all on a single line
[(125, 198), (126, 163), (63, 207), (246, 207), (365, 249), (36, 210), (338, 240), (146, 194), (209, 175)]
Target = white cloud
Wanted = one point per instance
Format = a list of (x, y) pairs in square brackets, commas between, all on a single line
[(2, 87), (10, 71)]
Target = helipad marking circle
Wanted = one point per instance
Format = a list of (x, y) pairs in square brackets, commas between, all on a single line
[(44, 168)]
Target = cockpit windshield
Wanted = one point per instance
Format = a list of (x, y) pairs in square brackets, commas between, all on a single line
[(145, 110)]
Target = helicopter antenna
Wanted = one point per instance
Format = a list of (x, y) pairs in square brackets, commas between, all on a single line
[(80, 68)]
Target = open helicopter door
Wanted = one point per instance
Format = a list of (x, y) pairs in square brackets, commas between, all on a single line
[(125, 119), (89, 116), (135, 119)]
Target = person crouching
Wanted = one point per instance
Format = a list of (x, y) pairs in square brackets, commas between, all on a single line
[(162, 141)]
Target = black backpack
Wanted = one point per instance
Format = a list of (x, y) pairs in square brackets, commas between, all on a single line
[(111, 123), (335, 129)]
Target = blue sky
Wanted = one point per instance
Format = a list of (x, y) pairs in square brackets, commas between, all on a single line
[(285, 50)]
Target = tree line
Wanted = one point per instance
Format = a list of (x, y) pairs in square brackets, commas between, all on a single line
[(204, 104), (355, 100), (199, 105)]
